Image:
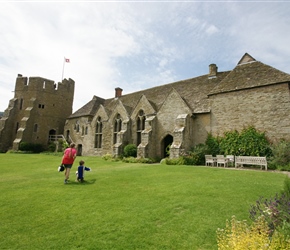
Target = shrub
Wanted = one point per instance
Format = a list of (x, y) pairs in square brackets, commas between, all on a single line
[(30, 147), (107, 157), (174, 161), (286, 189), (137, 160), (51, 147), (64, 144), (130, 159), (238, 235), (276, 210), (249, 142), (146, 160), (130, 150), (196, 155), (280, 156), (253, 142), (212, 144), (230, 143)]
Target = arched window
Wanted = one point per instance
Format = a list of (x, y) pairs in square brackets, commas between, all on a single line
[(140, 125), (117, 127), (99, 133), (86, 130)]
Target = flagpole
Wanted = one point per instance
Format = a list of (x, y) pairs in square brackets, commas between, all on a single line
[(63, 68)]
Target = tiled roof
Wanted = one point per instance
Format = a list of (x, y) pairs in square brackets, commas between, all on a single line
[(248, 73), (193, 91), (89, 108)]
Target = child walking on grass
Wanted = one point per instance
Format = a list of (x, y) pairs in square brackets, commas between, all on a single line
[(81, 171)]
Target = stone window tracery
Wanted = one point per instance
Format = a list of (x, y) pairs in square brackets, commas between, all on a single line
[(117, 127), (99, 133), (140, 125)]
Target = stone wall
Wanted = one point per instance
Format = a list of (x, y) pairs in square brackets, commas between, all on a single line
[(39, 107), (266, 108)]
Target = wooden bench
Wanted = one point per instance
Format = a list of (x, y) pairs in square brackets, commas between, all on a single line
[(251, 160), (221, 160), (210, 160)]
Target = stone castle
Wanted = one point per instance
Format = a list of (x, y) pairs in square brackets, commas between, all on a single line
[(177, 115), (37, 112)]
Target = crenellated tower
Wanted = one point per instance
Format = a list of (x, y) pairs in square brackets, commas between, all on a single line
[(38, 110)]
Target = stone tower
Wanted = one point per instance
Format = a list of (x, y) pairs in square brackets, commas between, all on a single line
[(38, 110)]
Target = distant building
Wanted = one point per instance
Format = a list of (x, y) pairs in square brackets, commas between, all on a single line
[(174, 116), (180, 115), (37, 112)]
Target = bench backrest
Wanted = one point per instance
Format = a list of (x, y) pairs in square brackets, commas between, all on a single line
[(251, 159)]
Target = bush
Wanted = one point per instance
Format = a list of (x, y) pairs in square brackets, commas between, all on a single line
[(174, 161), (238, 235), (31, 147), (280, 156), (137, 160), (249, 142), (230, 143), (130, 150), (196, 155), (51, 147), (286, 189), (276, 210), (107, 157), (212, 144)]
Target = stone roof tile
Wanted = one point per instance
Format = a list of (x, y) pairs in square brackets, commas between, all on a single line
[(250, 75)]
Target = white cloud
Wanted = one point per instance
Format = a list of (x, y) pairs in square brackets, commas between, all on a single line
[(135, 45), (211, 30)]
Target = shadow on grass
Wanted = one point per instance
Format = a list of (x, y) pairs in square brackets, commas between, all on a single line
[(85, 182)]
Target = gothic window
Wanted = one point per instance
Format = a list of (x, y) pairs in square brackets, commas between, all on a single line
[(140, 125), (117, 127), (86, 130), (83, 130), (77, 126), (99, 131)]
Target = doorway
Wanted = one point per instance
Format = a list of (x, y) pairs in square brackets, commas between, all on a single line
[(165, 145), (79, 149)]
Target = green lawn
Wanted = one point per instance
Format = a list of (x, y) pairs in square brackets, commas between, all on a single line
[(121, 205)]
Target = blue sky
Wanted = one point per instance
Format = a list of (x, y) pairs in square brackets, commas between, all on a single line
[(135, 44)]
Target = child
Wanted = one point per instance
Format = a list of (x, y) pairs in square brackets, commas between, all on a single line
[(81, 171)]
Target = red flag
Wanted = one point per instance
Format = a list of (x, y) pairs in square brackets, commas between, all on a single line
[(67, 60)]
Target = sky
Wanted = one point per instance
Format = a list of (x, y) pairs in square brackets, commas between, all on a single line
[(135, 45)]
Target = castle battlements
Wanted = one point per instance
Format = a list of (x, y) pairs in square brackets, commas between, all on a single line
[(39, 109), (39, 84)]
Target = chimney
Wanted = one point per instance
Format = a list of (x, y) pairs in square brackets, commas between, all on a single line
[(212, 71), (118, 92)]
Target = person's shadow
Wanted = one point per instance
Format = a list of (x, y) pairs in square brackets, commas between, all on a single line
[(85, 182)]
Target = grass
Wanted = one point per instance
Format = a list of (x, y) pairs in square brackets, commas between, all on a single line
[(122, 205)]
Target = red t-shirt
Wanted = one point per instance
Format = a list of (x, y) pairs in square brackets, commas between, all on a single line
[(69, 156)]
